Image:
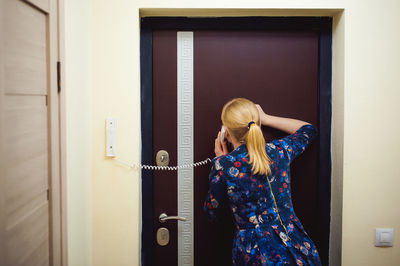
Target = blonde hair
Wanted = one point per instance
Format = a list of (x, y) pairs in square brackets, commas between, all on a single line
[(236, 116)]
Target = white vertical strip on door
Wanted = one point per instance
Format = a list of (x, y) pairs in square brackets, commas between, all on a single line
[(185, 147)]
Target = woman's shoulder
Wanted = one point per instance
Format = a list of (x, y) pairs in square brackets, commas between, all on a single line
[(220, 163), (225, 161), (273, 146)]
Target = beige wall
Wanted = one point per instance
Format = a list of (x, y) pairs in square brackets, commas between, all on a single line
[(79, 99), (365, 115), (371, 146)]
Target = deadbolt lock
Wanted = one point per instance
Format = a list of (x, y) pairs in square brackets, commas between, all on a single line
[(162, 158), (162, 236)]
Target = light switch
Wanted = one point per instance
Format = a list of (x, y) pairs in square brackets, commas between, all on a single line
[(384, 237), (111, 130)]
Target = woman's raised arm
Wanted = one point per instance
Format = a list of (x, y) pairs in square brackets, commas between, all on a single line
[(288, 125)]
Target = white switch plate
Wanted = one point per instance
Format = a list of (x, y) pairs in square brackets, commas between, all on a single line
[(111, 131), (384, 237)]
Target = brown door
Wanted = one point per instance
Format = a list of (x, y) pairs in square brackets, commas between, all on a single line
[(279, 71), (30, 227), (276, 69)]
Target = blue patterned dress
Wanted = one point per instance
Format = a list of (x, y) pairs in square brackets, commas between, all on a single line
[(265, 235)]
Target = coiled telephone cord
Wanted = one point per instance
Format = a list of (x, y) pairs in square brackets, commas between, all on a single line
[(163, 168)]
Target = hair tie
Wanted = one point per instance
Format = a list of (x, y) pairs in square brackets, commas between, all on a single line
[(252, 122)]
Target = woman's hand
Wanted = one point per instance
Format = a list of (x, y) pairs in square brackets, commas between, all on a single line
[(263, 116), (218, 148)]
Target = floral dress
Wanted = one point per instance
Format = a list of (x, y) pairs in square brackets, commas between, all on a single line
[(268, 232)]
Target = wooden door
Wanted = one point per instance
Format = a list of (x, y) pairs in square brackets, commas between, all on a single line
[(30, 213), (278, 69)]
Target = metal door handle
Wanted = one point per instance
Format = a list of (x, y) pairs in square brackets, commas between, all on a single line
[(164, 217)]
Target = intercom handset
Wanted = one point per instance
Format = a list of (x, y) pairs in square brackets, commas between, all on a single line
[(222, 135)]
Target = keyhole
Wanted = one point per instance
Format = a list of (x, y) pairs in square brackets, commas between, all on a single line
[(162, 158)]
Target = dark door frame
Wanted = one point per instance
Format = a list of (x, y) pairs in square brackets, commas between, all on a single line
[(322, 25)]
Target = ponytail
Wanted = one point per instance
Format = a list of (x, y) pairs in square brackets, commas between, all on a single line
[(255, 143), (242, 119)]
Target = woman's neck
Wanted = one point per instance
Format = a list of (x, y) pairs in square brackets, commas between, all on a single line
[(236, 143)]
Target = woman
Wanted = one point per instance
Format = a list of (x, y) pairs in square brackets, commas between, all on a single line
[(256, 179)]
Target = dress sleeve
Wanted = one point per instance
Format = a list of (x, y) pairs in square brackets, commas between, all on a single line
[(294, 144), (217, 190)]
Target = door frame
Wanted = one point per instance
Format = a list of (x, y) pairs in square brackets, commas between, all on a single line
[(57, 105), (323, 25), (62, 225)]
